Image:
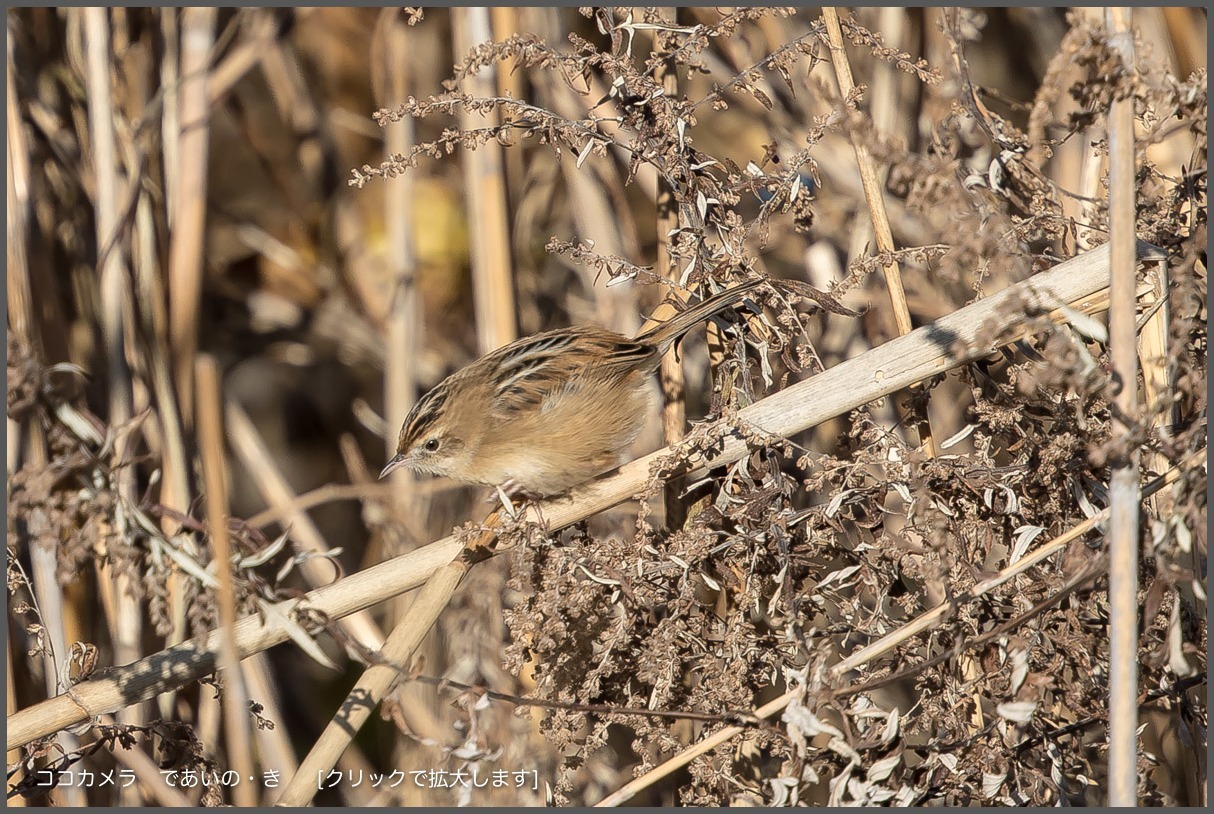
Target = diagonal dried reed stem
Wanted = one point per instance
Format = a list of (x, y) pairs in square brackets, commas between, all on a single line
[(924, 353), (394, 661), (871, 182), (278, 495)]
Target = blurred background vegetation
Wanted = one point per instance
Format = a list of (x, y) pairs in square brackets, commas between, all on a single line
[(180, 183)]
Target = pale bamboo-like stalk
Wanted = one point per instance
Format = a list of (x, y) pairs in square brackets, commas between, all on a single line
[(492, 280), (189, 182), (928, 620), (504, 21), (926, 352), (211, 451), (116, 313), (23, 321), (170, 123), (404, 329), (405, 319), (876, 206), (1124, 496)]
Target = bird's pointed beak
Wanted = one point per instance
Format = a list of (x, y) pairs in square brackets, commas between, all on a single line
[(393, 465)]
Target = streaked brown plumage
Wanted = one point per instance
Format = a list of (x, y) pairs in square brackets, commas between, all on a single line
[(547, 411)]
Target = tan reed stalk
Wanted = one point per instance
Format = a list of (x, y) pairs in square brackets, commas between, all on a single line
[(405, 318), (405, 324), (211, 451), (126, 622), (1124, 496), (189, 183), (492, 279), (174, 461), (875, 374), (504, 20), (876, 207), (24, 322)]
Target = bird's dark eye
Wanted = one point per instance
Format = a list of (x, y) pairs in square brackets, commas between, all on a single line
[(431, 445)]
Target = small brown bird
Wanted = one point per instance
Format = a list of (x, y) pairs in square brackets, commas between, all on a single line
[(547, 411)]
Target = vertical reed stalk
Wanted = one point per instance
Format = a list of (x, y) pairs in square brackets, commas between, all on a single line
[(492, 284), (1124, 494), (189, 179), (235, 696), (670, 372), (405, 323), (116, 312)]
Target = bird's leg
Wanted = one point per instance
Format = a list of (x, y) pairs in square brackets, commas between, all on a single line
[(512, 489)]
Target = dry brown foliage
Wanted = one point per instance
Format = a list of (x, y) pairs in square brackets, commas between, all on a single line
[(588, 657)]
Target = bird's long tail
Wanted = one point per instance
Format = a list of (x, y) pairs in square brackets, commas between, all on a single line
[(664, 333)]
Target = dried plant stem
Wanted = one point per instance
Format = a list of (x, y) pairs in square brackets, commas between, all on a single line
[(189, 181), (505, 23), (928, 620), (23, 321), (235, 696), (277, 493), (872, 185), (116, 312), (670, 371), (492, 283), (394, 659), (405, 315), (925, 352), (1123, 483), (175, 483), (404, 328)]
